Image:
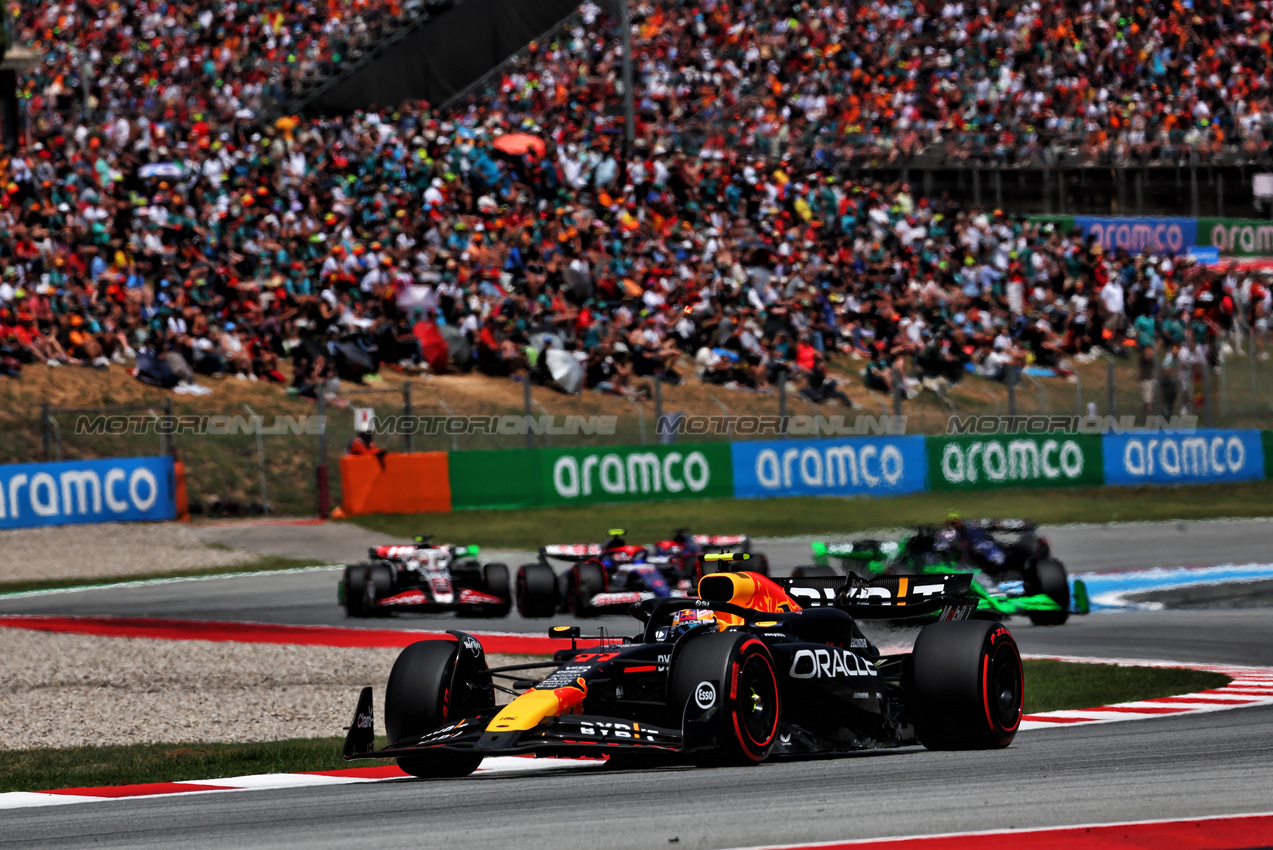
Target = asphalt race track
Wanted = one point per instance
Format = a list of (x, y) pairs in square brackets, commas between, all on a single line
[(1178, 767)]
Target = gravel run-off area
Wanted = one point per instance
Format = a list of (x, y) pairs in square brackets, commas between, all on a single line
[(108, 550), (76, 690)]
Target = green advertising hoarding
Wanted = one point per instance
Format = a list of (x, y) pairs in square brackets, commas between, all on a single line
[(1237, 237), (536, 477), (1013, 460)]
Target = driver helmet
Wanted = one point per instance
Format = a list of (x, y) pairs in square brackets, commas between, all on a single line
[(687, 620), (954, 520)]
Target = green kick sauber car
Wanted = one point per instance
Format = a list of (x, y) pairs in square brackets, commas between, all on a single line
[(1014, 574)]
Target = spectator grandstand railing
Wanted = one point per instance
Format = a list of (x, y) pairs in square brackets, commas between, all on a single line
[(239, 461)]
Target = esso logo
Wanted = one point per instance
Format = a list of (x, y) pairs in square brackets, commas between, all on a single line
[(705, 695), (621, 557)]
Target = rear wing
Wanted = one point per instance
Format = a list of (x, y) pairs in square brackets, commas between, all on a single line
[(886, 597), (856, 550), (570, 551), (721, 540), (1007, 524)]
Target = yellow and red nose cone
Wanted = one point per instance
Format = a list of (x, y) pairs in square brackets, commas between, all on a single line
[(530, 708)]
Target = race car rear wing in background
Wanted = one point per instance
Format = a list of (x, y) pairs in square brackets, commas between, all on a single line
[(886, 597), (571, 551)]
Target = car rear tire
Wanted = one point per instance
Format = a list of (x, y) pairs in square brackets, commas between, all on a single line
[(536, 591), (583, 582), (495, 582), (814, 571), (965, 685), (377, 585), (759, 563), (742, 672), (352, 593), (1050, 580), (419, 698)]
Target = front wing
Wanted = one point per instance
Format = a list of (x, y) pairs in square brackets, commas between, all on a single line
[(570, 734)]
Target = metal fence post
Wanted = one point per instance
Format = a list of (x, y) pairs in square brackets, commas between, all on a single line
[(1224, 386), (320, 471), (1250, 347), (898, 387), (406, 413), (1078, 394), (260, 457), (658, 404), (1110, 384), (1010, 381), (530, 435), (782, 402), (1207, 413), (46, 427), (172, 435)]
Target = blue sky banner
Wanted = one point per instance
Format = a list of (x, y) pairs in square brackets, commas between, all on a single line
[(856, 466), (1138, 235), (86, 491), (1199, 458)]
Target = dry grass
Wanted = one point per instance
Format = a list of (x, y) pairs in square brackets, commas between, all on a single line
[(225, 467)]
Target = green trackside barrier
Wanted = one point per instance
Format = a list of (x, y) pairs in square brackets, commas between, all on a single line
[(1013, 460), (1237, 237), (1063, 223), (578, 476)]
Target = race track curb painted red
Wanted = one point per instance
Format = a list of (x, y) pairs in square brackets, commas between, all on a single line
[(1251, 686), (222, 631), (1240, 832)]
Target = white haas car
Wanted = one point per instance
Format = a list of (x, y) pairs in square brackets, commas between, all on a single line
[(425, 578)]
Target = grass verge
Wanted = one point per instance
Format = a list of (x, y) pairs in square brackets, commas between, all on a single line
[(1056, 685), (530, 528), (264, 563), (1050, 685)]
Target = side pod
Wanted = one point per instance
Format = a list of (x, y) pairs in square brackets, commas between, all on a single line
[(362, 732)]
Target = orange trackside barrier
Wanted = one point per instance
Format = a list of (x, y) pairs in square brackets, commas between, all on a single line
[(395, 483), (180, 494)]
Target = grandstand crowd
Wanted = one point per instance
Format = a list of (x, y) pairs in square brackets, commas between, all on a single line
[(164, 223)]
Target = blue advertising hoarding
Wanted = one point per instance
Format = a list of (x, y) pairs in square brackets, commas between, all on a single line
[(852, 466), (1139, 235), (86, 491), (1203, 457)]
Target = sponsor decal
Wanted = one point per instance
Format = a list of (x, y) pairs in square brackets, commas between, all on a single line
[(828, 664), (828, 467), (1237, 237), (476, 597), (705, 695), (407, 597), (614, 729), (74, 492), (1141, 235), (563, 677), (638, 472), (472, 645), (1043, 460), (1201, 457)]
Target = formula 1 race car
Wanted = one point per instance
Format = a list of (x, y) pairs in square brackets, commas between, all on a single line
[(753, 668), (616, 574), (684, 550), (426, 578), (1014, 571)]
